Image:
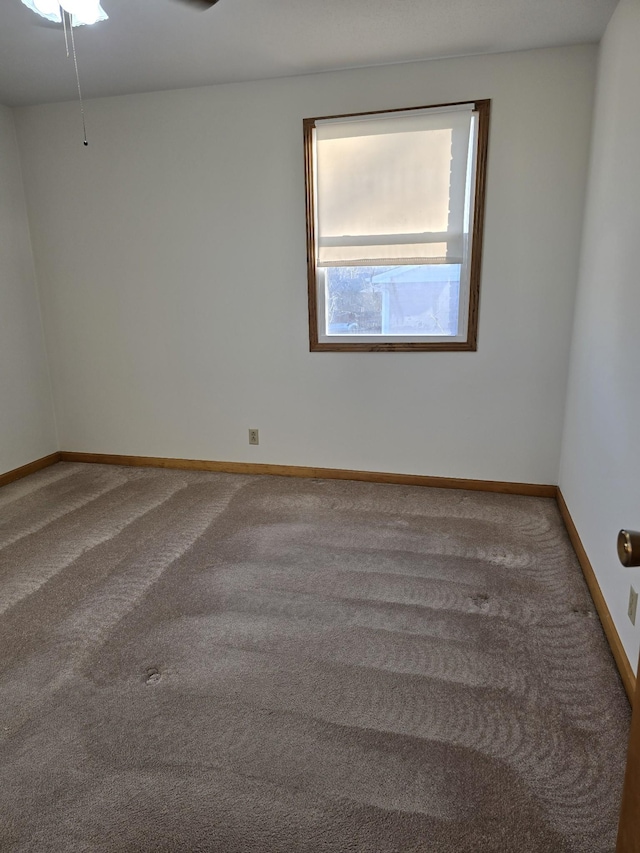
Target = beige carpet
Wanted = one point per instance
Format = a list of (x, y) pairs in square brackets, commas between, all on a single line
[(210, 662)]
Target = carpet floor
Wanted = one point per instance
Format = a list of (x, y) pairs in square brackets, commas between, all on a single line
[(212, 662)]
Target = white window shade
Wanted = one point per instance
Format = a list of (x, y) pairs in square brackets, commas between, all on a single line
[(391, 189)]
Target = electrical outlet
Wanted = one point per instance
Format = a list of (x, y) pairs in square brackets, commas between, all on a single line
[(633, 605), (254, 437)]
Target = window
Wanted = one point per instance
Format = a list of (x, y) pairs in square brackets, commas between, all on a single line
[(394, 228)]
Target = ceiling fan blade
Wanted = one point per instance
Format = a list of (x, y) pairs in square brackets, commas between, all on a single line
[(201, 4)]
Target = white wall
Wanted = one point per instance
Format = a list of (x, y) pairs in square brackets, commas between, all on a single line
[(171, 260), (600, 472), (27, 429)]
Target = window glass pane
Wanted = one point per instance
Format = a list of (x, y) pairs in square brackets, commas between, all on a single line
[(419, 300)]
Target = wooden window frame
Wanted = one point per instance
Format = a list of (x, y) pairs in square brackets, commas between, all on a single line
[(483, 110)]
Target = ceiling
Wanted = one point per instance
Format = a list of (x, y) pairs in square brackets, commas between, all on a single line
[(151, 45)]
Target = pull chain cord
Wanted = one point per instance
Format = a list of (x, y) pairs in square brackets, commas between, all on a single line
[(64, 27), (75, 62)]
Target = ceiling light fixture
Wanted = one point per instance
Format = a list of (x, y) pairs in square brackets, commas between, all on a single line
[(81, 11)]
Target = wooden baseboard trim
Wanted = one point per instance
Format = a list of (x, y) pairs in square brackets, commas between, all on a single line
[(529, 489), (29, 468), (617, 649)]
